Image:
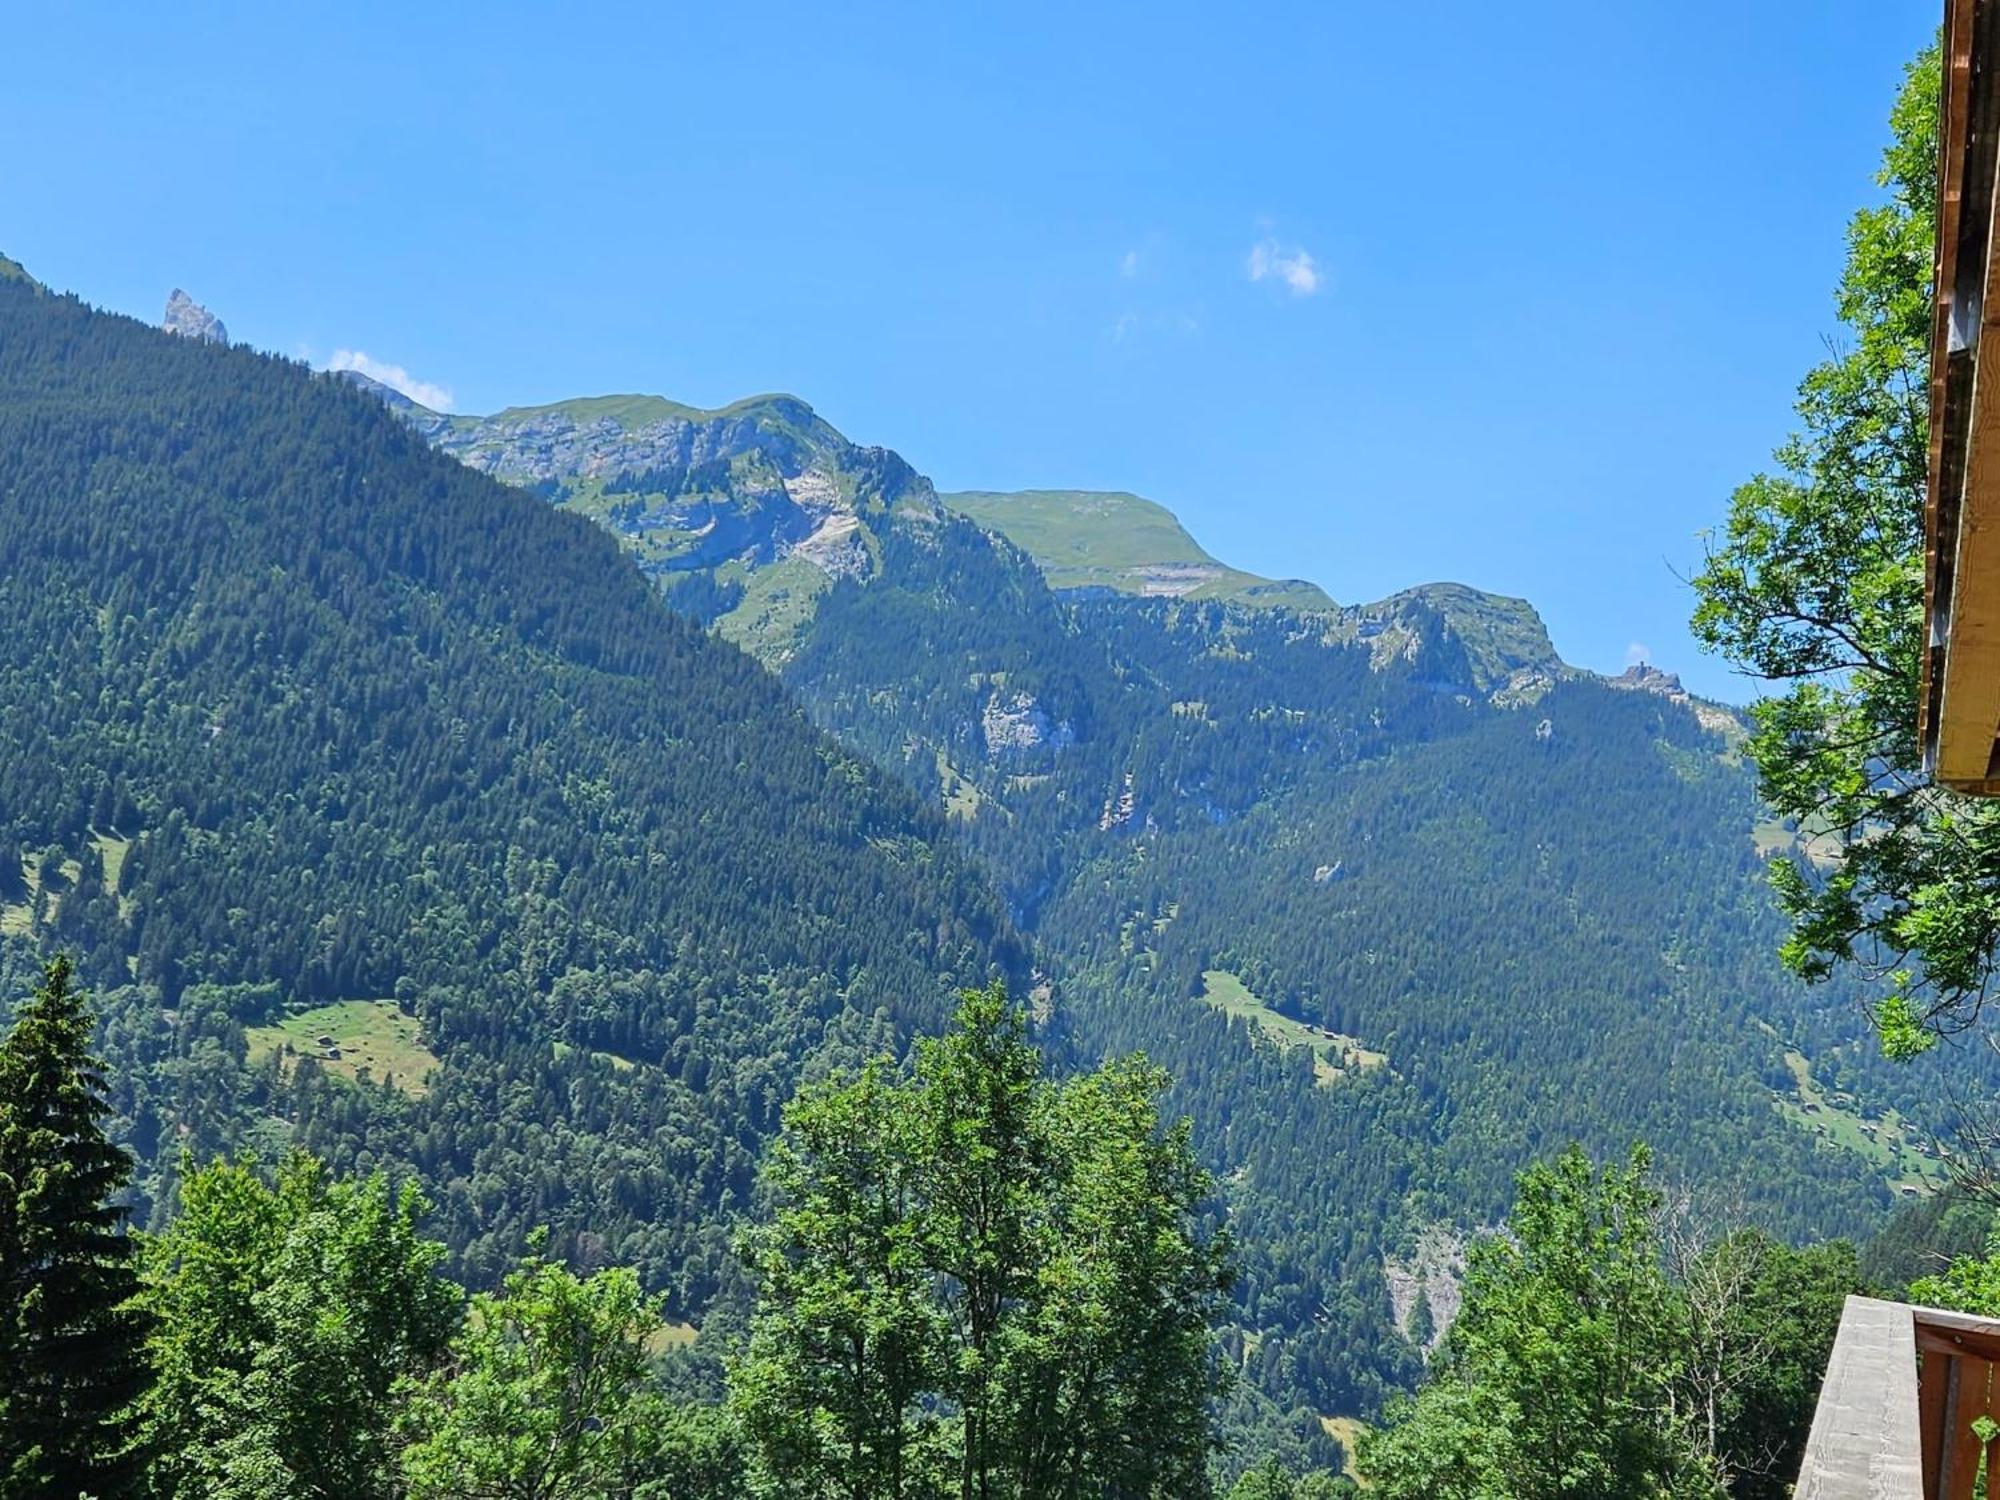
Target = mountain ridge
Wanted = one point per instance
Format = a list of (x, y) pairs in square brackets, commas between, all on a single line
[(578, 451)]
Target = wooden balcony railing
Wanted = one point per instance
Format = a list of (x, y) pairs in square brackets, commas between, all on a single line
[(1910, 1409)]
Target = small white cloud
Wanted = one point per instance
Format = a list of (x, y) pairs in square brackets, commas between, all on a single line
[(436, 397), (1177, 324), (1292, 264), (1128, 266), (1638, 654)]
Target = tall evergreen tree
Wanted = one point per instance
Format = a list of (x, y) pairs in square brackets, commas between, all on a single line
[(69, 1338)]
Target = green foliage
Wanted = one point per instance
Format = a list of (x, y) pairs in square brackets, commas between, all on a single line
[(1971, 1283), (1423, 1325), (1579, 1366), (546, 1397), (1759, 1320), (1557, 1377), (69, 1339), (285, 1314), (1551, 936), (1272, 1481), (1816, 586), (1924, 1237), (978, 1280)]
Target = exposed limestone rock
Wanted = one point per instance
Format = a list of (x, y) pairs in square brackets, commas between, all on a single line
[(1118, 810), (836, 547), (1437, 1268), (1644, 677), (1016, 723), (190, 319)]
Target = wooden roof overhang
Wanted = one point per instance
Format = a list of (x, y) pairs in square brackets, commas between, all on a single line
[(1959, 711)]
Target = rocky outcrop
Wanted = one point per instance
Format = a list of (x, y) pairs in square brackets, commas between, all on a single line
[(1015, 724), (1644, 677), (1503, 638), (1436, 1268), (190, 319)]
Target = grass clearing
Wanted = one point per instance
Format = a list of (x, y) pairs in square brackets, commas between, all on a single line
[(113, 850), (1348, 1432), (1335, 1054), (778, 602), (1903, 1158), (362, 1036), (961, 798), (671, 1336), (18, 920)]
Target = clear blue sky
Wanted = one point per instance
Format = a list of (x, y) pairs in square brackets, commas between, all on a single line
[(1537, 281)]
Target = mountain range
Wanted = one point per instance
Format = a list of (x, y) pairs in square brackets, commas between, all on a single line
[(532, 802), (1403, 899)]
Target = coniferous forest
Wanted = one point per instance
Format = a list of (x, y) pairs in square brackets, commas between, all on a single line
[(496, 1005)]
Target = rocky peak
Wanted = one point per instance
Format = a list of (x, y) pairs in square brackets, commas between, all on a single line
[(1644, 677), (190, 319)]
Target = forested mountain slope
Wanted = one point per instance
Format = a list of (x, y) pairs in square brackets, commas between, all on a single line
[(323, 752), (1402, 900)]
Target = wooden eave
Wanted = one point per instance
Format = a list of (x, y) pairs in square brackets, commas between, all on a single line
[(1959, 710)]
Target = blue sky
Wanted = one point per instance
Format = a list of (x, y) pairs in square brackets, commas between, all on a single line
[(1369, 294)]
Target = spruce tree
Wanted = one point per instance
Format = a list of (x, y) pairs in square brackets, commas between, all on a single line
[(70, 1358)]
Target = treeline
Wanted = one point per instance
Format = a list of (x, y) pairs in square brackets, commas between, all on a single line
[(975, 1280)]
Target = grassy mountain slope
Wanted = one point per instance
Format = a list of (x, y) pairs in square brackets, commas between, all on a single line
[(296, 712), (1109, 540)]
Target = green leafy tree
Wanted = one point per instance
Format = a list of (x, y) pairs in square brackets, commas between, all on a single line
[(982, 1282), (1271, 1480), (1815, 586), (69, 1336), (548, 1397), (848, 1336), (1971, 1283), (285, 1315), (1558, 1376)]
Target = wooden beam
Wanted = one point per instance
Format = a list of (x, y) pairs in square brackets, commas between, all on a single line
[(1933, 1394), (1969, 703), (1865, 1442)]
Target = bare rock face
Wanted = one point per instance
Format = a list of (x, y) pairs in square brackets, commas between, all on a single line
[(1437, 1269), (190, 319), (1017, 724), (1644, 677)]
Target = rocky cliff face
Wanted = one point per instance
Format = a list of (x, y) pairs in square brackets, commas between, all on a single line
[(1644, 677), (190, 319), (762, 504)]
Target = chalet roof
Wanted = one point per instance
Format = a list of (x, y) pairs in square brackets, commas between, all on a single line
[(1959, 712)]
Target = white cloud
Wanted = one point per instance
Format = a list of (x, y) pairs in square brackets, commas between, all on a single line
[(1181, 324), (1292, 264), (1128, 267), (1638, 654), (436, 397)]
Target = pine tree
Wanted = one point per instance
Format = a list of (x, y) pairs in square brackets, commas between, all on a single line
[(69, 1340)]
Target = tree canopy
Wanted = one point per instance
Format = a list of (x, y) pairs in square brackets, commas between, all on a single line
[(1815, 586), (983, 1282)]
